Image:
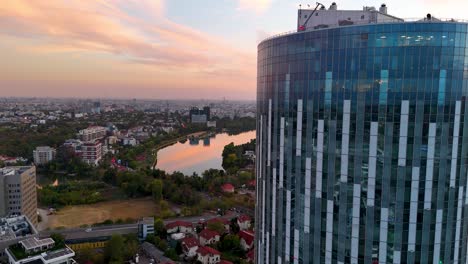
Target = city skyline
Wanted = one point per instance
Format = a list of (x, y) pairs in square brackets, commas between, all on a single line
[(149, 49)]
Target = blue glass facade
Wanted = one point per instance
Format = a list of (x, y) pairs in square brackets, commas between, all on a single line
[(362, 151)]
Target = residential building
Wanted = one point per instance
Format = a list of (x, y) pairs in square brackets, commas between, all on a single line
[(208, 237), (246, 239), (129, 141), (207, 255), (43, 155), (361, 144), (145, 227), (73, 145), (12, 230), (92, 133), (18, 192), (35, 251), (91, 152), (243, 221), (190, 246), (179, 227), (111, 140)]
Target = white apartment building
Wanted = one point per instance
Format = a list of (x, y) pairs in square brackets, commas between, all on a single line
[(43, 155)]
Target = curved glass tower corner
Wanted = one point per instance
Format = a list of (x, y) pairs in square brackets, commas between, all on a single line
[(363, 144)]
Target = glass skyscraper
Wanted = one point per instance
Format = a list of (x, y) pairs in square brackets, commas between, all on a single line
[(362, 144)]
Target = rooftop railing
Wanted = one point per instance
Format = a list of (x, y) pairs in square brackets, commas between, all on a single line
[(381, 21)]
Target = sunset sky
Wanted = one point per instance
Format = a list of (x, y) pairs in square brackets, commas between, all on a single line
[(168, 49)]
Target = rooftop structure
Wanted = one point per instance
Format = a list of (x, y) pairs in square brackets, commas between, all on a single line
[(13, 230), (15, 227), (62, 255), (309, 19), (34, 244)]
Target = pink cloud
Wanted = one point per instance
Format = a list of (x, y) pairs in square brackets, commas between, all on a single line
[(105, 27)]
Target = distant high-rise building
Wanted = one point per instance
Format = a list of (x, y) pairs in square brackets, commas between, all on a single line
[(96, 107), (43, 155), (18, 192), (362, 153), (200, 115)]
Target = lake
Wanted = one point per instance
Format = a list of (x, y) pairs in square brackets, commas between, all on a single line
[(199, 155)]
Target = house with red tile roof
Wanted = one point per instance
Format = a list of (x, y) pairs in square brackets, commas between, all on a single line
[(207, 255), (227, 188), (251, 256), (190, 246), (179, 227), (225, 262), (246, 239), (252, 183), (208, 237), (243, 221)]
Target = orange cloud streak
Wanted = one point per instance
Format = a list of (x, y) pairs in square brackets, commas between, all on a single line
[(161, 46)]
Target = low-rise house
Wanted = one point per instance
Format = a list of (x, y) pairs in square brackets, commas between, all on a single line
[(190, 246), (227, 188), (251, 256), (208, 237), (251, 184), (207, 255), (243, 221), (175, 238), (179, 227), (246, 239), (225, 262), (154, 253)]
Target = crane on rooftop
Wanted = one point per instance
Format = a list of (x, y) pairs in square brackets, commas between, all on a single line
[(303, 26)]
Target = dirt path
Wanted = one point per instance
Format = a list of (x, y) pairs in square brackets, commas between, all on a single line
[(76, 216)]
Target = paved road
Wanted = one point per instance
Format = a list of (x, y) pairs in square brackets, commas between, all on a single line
[(106, 231)]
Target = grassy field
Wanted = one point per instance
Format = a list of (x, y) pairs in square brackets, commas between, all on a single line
[(76, 216)]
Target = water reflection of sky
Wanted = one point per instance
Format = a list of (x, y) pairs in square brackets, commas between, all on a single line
[(189, 158)]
